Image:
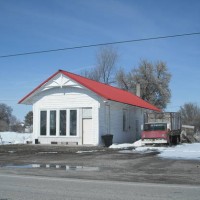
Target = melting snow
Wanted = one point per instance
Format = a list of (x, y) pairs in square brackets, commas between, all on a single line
[(183, 151), (14, 138), (126, 145)]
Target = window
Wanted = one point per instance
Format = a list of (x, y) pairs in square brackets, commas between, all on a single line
[(155, 127), (60, 122), (73, 122), (43, 122), (125, 120), (63, 118), (52, 122), (87, 113)]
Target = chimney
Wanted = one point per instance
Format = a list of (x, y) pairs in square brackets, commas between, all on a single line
[(138, 89)]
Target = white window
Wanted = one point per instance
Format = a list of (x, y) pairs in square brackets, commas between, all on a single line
[(60, 122)]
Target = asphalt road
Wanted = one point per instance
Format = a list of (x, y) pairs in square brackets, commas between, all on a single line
[(15, 187)]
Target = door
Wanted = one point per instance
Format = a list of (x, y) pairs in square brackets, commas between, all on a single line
[(88, 137)]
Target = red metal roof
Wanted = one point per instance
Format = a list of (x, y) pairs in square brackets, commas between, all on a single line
[(106, 91)]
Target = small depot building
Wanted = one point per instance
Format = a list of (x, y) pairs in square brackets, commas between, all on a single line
[(68, 108)]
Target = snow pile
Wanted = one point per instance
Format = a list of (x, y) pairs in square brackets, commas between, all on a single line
[(138, 143), (15, 138), (121, 146), (184, 151), (126, 145), (150, 149)]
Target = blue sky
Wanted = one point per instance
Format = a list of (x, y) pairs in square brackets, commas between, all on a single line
[(50, 24)]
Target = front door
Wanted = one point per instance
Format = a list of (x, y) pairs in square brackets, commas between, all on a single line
[(88, 137)]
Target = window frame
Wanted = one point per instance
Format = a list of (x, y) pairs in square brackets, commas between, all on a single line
[(66, 125), (46, 120), (57, 117), (69, 132), (54, 122)]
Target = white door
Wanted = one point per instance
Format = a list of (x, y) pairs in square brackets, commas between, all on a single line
[(87, 132)]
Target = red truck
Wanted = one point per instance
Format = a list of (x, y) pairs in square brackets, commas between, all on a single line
[(161, 128)]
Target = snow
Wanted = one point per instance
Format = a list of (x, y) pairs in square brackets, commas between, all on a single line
[(182, 151), (14, 138), (126, 145), (91, 151)]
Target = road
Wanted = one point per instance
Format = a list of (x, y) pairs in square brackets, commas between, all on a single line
[(15, 187)]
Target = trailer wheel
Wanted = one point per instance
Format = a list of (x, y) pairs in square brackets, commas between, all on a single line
[(170, 140), (174, 139)]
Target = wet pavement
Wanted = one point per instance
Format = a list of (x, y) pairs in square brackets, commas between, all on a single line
[(96, 163)]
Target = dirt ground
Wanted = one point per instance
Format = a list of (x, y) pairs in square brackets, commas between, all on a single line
[(101, 164)]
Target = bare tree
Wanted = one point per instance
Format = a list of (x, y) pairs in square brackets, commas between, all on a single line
[(7, 120), (29, 119), (154, 81), (190, 114), (125, 81), (5, 116), (106, 59), (3, 126), (16, 125)]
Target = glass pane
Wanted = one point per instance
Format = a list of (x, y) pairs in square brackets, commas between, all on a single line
[(73, 122), (43, 122), (63, 122), (52, 122), (155, 127)]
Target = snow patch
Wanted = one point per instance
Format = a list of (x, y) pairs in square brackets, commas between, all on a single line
[(14, 138), (183, 151), (91, 151), (126, 145), (150, 149)]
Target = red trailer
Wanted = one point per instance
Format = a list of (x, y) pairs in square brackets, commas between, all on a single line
[(161, 128)]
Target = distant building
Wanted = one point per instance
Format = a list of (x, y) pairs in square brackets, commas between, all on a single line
[(68, 108)]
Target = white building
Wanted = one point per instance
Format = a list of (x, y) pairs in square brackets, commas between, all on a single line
[(68, 108)]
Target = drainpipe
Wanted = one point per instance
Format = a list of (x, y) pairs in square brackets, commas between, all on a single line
[(107, 117)]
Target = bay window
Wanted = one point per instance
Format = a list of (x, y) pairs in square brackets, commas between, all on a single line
[(59, 122)]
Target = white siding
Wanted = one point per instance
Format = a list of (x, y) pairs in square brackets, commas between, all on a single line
[(62, 93), (66, 98), (116, 122)]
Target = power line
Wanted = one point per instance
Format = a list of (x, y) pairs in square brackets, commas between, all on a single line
[(99, 44)]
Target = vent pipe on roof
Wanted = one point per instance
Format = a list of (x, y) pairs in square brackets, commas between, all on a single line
[(138, 89)]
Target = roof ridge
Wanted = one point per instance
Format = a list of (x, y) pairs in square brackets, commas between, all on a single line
[(98, 82), (104, 90)]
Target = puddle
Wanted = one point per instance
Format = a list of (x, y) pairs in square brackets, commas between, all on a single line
[(49, 152), (53, 166)]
